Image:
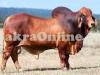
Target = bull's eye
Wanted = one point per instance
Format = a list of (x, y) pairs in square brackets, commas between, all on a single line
[(84, 18)]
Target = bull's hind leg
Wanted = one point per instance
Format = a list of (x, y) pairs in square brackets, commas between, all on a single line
[(14, 56), (7, 49)]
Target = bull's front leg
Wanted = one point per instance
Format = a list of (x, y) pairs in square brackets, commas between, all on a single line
[(64, 57), (67, 61)]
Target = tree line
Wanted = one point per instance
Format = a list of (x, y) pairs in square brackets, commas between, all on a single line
[(1, 20)]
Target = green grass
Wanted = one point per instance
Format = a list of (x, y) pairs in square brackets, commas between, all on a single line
[(98, 26), (1, 25)]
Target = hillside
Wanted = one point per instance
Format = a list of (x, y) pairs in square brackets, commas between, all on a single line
[(4, 12)]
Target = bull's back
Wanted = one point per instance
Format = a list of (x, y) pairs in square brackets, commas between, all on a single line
[(24, 23), (16, 23)]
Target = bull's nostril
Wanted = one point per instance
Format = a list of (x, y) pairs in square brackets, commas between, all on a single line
[(93, 24)]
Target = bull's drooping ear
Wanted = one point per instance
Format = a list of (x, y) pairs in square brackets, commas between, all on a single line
[(80, 20), (83, 17)]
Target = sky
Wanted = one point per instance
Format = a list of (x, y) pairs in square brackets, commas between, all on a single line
[(74, 5)]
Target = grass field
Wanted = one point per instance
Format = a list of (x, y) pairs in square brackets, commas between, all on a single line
[(86, 62), (1, 25)]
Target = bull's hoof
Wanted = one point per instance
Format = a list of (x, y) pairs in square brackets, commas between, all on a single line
[(2, 69), (65, 67), (20, 70)]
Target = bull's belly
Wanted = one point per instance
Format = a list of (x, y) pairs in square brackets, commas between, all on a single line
[(36, 49)]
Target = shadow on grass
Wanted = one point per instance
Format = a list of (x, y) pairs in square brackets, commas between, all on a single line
[(47, 69), (42, 69), (52, 69), (80, 68)]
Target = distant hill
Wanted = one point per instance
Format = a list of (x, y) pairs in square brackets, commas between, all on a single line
[(97, 16), (4, 12)]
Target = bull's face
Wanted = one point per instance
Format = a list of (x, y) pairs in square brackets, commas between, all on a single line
[(90, 20)]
